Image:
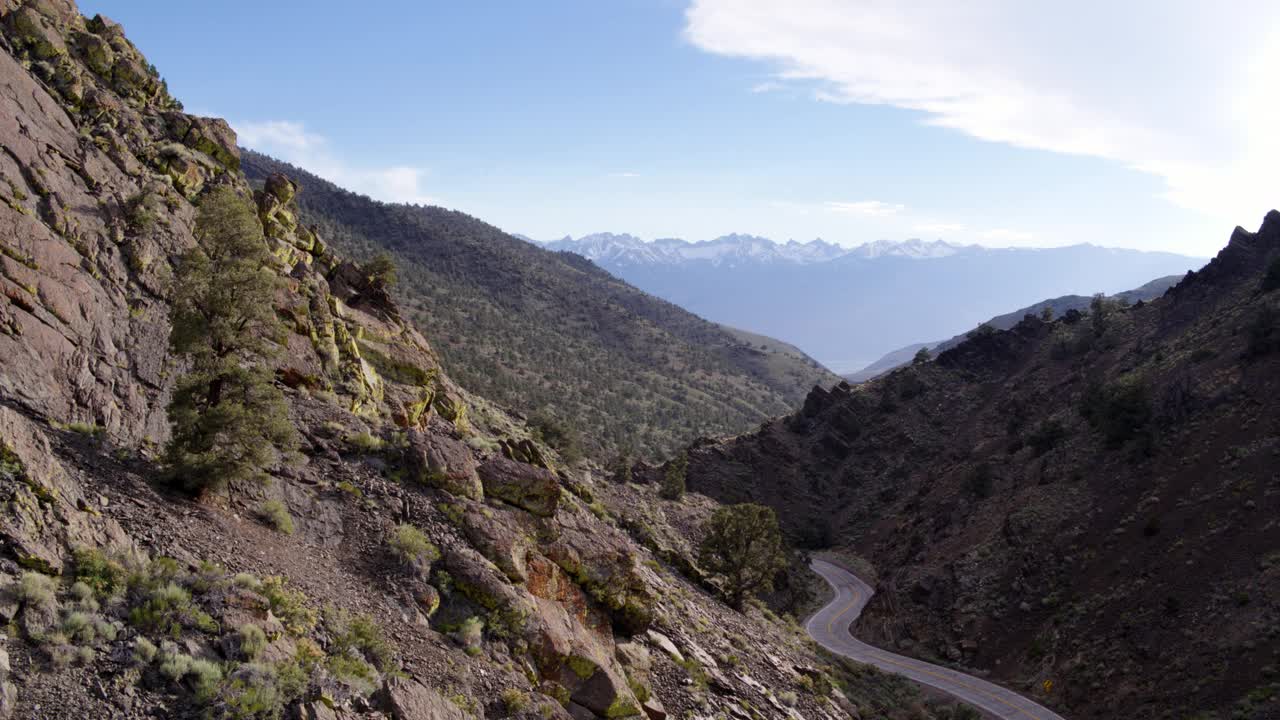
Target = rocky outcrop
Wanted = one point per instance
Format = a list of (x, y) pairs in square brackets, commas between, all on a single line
[(438, 459), (406, 699), (530, 487)]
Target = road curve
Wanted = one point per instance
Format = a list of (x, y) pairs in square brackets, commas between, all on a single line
[(830, 628)]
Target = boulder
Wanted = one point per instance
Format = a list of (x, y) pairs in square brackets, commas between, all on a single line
[(527, 486), (406, 699), (441, 461)]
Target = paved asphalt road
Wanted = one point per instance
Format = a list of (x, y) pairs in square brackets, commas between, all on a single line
[(830, 628)]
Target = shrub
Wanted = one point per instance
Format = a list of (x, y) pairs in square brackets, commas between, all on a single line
[(78, 627), (514, 700), (37, 591), (413, 548), (353, 671), (366, 442), (981, 481), (922, 356), (1046, 436), (204, 676), (144, 651), (1121, 411), (288, 605), (168, 609), (251, 641), (360, 636), (275, 514), (673, 478), (106, 577), (470, 633), (253, 690)]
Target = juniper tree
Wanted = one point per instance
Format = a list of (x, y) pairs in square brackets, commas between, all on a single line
[(742, 545), (673, 478), (227, 416)]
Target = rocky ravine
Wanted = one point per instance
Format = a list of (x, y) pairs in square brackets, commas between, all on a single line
[(1083, 508), (123, 599)]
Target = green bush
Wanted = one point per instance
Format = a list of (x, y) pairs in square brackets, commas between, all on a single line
[(275, 514), (168, 609), (251, 640), (413, 548), (106, 577), (1121, 411), (673, 478), (288, 605), (37, 591), (514, 700), (359, 636), (1046, 436), (470, 633)]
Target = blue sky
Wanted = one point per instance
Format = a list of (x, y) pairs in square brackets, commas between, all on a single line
[(854, 121)]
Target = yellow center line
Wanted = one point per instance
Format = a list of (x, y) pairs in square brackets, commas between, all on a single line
[(858, 595)]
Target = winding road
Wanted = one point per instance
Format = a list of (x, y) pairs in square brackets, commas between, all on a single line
[(830, 628)]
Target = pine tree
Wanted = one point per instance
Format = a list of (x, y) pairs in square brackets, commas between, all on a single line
[(743, 545), (228, 418), (673, 479)]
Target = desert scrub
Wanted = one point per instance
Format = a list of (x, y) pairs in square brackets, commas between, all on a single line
[(412, 547), (365, 442), (168, 609), (359, 636), (105, 576), (37, 591), (251, 641), (469, 634), (514, 700), (288, 605), (275, 514)]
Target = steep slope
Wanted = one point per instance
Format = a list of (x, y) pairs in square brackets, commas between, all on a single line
[(848, 306), (1083, 508), (422, 560), (1056, 306), (550, 333)]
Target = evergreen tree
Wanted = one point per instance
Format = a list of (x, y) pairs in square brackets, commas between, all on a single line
[(922, 356), (672, 487), (742, 544), (228, 418)]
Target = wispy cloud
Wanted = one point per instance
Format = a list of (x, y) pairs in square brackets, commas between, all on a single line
[(293, 143), (869, 208), (1094, 78), (1006, 235), (624, 174), (939, 228), (767, 86)]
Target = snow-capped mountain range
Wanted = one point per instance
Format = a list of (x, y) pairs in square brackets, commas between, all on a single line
[(848, 306), (610, 249)]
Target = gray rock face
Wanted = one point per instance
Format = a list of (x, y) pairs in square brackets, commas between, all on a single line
[(441, 461), (526, 486), (410, 700)]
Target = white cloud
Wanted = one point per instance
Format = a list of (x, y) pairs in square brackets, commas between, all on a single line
[(939, 228), (1006, 235), (870, 208), (624, 174), (1181, 89), (291, 142), (767, 86)]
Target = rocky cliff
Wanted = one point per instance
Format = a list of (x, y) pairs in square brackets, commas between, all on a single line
[(424, 558), (1083, 508)]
